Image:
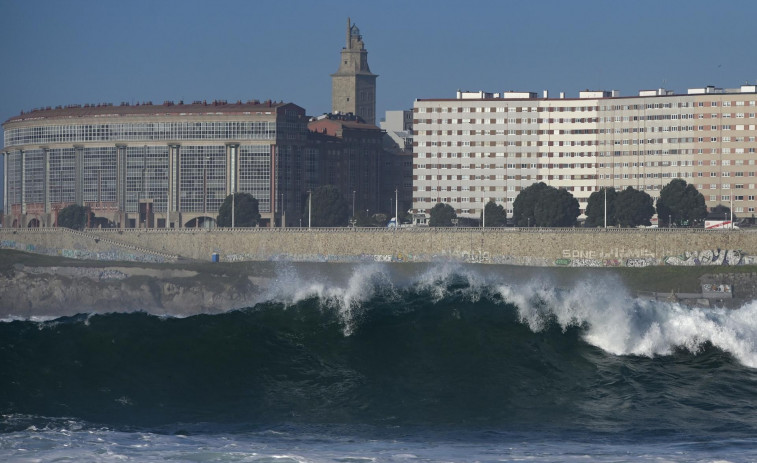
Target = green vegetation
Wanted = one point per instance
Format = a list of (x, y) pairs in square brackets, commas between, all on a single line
[(595, 208), (246, 212), (495, 215), (441, 215), (541, 205), (363, 219), (329, 209), (633, 208), (74, 216), (680, 204), (721, 212)]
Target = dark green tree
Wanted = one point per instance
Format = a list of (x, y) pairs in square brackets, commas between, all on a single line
[(721, 212), (441, 215), (74, 216), (541, 205), (556, 208), (246, 212), (496, 216), (524, 206), (329, 208), (633, 208), (595, 208), (362, 219), (680, 202)]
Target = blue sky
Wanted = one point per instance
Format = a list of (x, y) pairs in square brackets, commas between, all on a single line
[(92, 51)]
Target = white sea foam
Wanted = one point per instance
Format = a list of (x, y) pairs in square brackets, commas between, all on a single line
[(611, 317), (436, 280), (255, 448), (346, 297), (34, 318), (623, 325)]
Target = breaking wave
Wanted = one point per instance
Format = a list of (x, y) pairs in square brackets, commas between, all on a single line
[(443, 345)]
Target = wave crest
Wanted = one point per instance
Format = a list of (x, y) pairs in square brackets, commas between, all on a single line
[(621, 324)]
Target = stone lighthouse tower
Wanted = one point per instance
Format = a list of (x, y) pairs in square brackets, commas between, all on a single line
[(353, 86)]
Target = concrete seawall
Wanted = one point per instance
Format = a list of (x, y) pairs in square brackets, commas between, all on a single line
[(539, 247)]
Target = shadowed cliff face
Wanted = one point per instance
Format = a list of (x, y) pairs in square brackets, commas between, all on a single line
[(33, 285), (27, 291)]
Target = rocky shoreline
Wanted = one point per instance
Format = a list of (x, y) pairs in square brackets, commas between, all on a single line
[(43, 286), (62, 290)]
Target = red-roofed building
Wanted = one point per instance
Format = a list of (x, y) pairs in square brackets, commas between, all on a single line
[(349, 154)]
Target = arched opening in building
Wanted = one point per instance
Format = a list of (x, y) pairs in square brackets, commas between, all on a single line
[(201, 222), (15, 223), (34, 223)]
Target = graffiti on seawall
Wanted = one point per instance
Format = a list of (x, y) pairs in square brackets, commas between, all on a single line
[(689, 258), (608, 254), (113, 254), (716, 288), (470, 257), (711, 257)]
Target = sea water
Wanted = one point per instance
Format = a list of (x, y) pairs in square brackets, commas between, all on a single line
[(444, 363)]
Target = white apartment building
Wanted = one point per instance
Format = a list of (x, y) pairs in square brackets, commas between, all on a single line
[(484, 146)]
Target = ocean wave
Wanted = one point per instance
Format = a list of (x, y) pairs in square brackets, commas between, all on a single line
[(623, 325), (608, 315), (379, 344)]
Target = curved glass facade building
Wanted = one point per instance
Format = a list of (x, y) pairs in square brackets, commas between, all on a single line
[(168, 165)]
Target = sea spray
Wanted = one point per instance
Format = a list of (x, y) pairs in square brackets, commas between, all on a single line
[(291, 287), (430, 363), (622, 325)]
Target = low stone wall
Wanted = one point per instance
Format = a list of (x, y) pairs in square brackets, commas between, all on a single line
[(78, 245), (537, 247)]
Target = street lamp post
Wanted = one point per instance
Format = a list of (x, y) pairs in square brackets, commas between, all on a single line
[(483, 213), (310, 206), (396, 209), (353, 203), (168, 202), (204, 185)]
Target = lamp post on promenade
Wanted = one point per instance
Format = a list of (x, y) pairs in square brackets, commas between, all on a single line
[(396, 209), (483, 212), (205, 185), (310, 206), (168, 202)]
